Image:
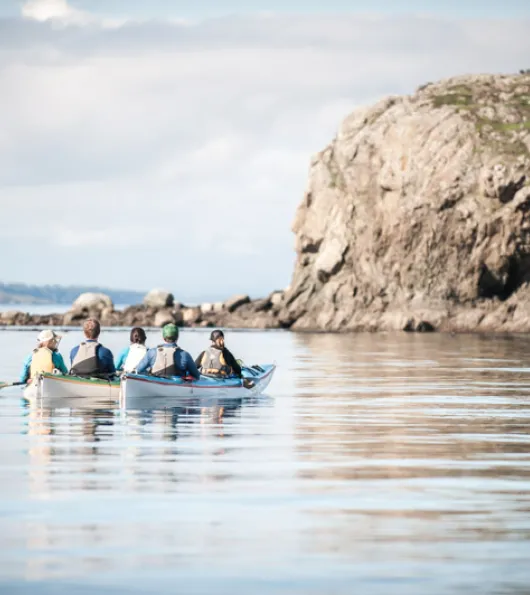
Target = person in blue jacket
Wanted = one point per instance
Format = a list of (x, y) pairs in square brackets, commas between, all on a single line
[(45, 358), (168, 359), (90, 358)]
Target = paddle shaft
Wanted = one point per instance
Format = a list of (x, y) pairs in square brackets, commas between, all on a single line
[(7, 384)]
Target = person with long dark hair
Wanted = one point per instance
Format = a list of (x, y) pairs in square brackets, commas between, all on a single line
[(131, 356)]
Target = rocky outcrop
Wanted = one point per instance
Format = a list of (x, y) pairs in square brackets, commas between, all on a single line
[(92, 301), (417, 216), (90, 305), (159, 298), (235, 302)]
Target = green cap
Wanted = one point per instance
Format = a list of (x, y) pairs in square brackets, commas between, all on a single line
[(170, 331)]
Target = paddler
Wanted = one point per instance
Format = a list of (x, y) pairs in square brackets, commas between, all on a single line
[(168, 359), (131, 356), (44, 358), (217, 360), (90, 358)]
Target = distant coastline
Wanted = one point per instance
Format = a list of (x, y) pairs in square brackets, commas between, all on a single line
[(23, 294), (40, 309)]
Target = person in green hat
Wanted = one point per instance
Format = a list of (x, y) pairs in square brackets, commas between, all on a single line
[(168, 359)]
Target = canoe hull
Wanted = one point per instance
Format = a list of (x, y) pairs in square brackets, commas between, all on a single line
[(138, 387), (140, 390), (57, 386)]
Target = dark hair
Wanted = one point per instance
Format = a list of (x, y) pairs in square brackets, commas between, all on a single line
[(216, 335), (91, 328), (138, 335)]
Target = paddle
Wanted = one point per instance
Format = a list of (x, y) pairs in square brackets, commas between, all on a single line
[(7, 384)]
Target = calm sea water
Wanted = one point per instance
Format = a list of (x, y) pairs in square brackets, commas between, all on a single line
[(375, 464)]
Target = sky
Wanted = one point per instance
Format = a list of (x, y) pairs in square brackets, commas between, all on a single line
[(150, 144)]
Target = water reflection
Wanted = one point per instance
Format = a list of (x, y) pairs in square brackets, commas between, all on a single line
[(387, 428), (76, 449), (135, 451), (379, 464), (411, 408)]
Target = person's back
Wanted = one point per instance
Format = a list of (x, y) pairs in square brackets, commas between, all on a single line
[(217, 360), (44, 358), (213, 362), (131, 356), (90, 358), (168, 359), (41, 361)]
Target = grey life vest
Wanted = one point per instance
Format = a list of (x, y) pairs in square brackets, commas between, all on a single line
[(213, 363), (86, 361), (165, 362)]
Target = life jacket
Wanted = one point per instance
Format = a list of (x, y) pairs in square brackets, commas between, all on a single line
[(165, 362), (86, 361), (213, 363), (41, 361), (134, 357)]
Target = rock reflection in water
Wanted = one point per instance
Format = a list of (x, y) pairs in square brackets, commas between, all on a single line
[(412, 440)]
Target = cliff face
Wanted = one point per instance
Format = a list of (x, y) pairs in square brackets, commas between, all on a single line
[(419, 211)]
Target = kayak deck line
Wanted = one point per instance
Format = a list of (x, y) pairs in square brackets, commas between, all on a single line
[(79, 380)]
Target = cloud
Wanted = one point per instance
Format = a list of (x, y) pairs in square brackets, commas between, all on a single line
[(158, 138), (60, 13), (54, 10)]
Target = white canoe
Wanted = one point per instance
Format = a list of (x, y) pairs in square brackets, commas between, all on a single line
[(59, 386), (140, 387)]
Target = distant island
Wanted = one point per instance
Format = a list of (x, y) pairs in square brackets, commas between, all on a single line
[(20, 293)]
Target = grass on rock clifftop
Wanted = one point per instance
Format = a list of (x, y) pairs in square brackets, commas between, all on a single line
[(459, 95), (511, 111)]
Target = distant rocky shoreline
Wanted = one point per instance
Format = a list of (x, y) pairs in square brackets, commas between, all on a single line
[(159, 308), (242, 312)]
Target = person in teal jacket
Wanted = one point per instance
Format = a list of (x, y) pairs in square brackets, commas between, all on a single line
[(50, 340), (131, 356)]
